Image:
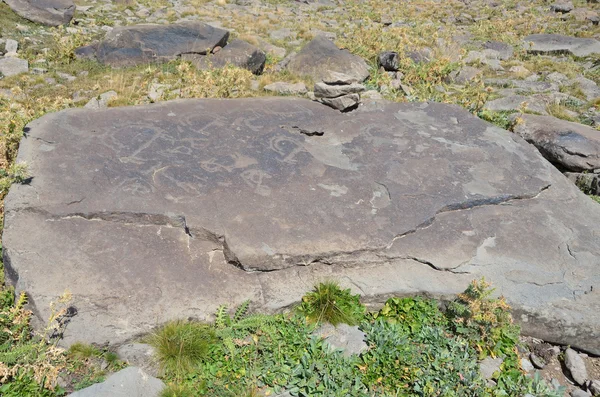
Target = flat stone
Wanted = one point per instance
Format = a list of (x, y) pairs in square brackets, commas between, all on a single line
[(10, 66), (342, 103), (576, 366), (323, 90), (140, 44), (558, 44), (286, 88), (321, 56), (349, 339), (465, 75), (594, 387), (46, 12), (589, 88), (505, 51), (537, 361), (237, 53), (562, 7), (128, 382), (166, 211), (488, 366), (336, 78), (571, 146), (517, 103), (524, 86)]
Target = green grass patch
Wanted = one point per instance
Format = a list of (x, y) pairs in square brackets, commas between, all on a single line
[(415, 348)]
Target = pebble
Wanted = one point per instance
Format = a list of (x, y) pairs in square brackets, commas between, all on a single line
[(576, 366)]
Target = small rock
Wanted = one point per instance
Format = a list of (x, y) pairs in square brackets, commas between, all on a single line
[(157, 91), (342, 103), (283, 88), (505, 51), (576, 367), (348, 338), (537, 361), (563, 7), (465, 75), (526, 365), (588, 87), (283, 34), (101, 101), (372, 94), (556, 77), (323, 90), (388, 60), (11, 66), (11, 47), (519, 70), (66, 76), (489, 365)]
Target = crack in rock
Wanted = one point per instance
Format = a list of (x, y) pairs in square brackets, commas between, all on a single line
[(467, 205)]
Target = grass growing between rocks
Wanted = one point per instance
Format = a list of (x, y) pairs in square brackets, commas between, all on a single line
[(31, 363), (415, 348)]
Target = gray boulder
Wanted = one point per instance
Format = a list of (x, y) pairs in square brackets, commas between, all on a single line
[(388, 60), (11, 66), (517, 103), (128, 382), (321, 56), (559, 44), (46, 12), (237, 53), (151, 213), (139, 44), (576, 367), (342, 103), (571, 146)]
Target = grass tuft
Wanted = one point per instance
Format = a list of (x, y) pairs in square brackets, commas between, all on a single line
[(181, 346), (327, 302)]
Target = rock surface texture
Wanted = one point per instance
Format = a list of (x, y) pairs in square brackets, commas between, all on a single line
[(139, 44), (167, 211), (47, 12), (320, 57), (571, 146), (559, 44), (129, 382)]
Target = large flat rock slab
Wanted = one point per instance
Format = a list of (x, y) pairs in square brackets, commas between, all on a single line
[(561, 44), (150, 43), (167, 211), (47, 12)]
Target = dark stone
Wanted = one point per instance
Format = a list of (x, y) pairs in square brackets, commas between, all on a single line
[(87, 52), (321, 56), (165, 211), (570, 146), (388, 60), (238, 53), (46, 12), (140, 44)]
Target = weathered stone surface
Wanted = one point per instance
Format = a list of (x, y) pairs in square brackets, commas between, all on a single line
[(388, 60), (238, 53), (559, 44), (518, 103), (166, 211), (139, 44), (571, 146), (284, 88), (488, 366), (323, 90), (349, 339), (342, 103), (10, 66), (128, 382), (139, 355), (320, 57), (47, 12), (576, 367)]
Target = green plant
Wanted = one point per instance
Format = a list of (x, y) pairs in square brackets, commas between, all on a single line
[(327, 302), (181, 345), (484, 321), (429, 362), (412, 314)]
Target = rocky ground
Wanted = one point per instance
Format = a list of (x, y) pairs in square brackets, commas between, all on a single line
[(530, 67)]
